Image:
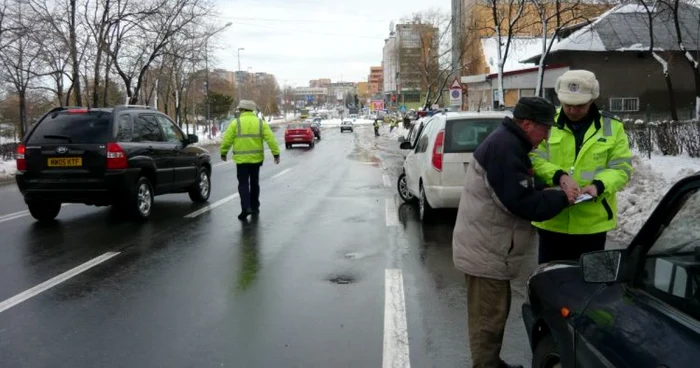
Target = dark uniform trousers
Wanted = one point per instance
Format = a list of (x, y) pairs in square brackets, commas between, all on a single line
[(249, 185)]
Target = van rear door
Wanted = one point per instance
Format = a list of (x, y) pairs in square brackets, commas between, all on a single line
[(462, 137)]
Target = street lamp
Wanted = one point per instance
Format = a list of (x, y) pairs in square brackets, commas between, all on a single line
[(239, 73), (206, 66)]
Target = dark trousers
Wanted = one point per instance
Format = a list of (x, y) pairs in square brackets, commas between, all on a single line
[(249, 185), (563, 247)]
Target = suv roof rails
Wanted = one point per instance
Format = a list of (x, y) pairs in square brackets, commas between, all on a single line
[(126, 107)]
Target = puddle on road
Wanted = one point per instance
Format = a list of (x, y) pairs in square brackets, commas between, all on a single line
[(363, 155), (342, 279), (355, 255)]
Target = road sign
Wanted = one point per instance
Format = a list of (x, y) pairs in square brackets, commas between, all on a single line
[(402, 108), (456, 95)]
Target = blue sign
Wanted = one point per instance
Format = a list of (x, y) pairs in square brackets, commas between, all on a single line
[(310, 98), (402, 108), (456, 94)]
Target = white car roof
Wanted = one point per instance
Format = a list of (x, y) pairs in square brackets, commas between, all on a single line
[(476, 115)]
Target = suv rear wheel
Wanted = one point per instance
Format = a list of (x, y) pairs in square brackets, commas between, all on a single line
[(141, 201), (202, 187), (43, 210), (546, 354)]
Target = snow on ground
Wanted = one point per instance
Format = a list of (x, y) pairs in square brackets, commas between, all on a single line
[(651, 180), (7, 169)]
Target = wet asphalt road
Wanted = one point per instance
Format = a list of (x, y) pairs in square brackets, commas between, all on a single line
[(303, 286)]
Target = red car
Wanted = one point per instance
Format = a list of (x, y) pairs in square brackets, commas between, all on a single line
[(299, 133)]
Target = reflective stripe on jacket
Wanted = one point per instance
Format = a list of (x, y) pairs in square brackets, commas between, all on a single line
[(604, 155), (246, 137)]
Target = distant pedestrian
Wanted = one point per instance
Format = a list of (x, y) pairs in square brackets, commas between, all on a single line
[(493, 232), (246, 137)]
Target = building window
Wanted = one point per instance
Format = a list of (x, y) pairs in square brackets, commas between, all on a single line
[(624, 104), (530, 92)]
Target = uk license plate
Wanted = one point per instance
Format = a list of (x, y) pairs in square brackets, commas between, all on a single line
[(65, 162), (298, 139)]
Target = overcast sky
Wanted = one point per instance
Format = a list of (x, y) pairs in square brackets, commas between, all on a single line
[(300, 40)]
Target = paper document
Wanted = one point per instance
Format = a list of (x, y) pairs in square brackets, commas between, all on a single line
[(583, 198)]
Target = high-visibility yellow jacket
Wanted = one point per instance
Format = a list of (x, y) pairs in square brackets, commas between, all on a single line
[(604, 156), (246, 135)]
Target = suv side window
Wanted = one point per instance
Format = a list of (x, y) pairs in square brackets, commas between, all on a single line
[(672, 265), (171, 132), (146, 129), (125, 129)]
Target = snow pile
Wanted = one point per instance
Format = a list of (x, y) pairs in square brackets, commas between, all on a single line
[(520, 49), (7, 169), (651, 180)]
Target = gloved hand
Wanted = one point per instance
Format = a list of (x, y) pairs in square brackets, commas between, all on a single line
[(223, 157), (277, 160)]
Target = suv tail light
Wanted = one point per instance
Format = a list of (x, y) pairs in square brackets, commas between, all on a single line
[(20, 157), (77, 111), (116, 157), (438, 149)]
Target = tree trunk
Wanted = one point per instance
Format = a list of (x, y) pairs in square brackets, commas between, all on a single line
[(59, 87), (22, 111), (77, 93)]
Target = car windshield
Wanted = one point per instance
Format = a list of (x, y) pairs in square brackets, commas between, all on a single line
[(65, 127), (298, 126), (682, 234), (465, 135)]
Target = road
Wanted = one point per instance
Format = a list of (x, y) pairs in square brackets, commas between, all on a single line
[(336, 272)]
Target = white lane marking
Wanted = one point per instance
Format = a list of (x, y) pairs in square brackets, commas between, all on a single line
[(48, 284), (395, 353), (20, 214), (281, 173), (387, 181), (392, 214), (211, 206), (12, 216), (220, 163)]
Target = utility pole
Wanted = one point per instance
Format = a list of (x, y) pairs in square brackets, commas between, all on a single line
[(206, 66), (239, 80)]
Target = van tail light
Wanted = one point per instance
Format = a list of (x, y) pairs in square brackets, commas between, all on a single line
[(438, 150), (21, 158), (116, 157)]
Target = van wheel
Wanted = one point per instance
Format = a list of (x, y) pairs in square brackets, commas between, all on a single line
[(202, 187), (546, 354), (403, 189), (427, 213), (44, 211), (141, 201)]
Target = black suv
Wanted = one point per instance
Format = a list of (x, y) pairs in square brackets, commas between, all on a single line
[(121, 156)]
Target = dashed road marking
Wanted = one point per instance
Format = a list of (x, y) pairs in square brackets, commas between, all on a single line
[(396, 353), (20, 214), (387, 181), (211, 206), (46, 285), (281, 173), (391, 213)]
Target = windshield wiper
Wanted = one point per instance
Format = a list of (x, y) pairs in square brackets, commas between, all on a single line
[(53, 136)]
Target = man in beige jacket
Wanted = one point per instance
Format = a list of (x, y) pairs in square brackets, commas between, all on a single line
[(493, 232)]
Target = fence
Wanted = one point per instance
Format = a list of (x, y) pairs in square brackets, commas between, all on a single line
[(669, 138), (649, 114)]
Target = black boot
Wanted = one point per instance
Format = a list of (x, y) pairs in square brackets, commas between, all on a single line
[(244, 214), (503, 364)]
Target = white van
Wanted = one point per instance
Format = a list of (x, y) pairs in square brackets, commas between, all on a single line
[(441, 148)]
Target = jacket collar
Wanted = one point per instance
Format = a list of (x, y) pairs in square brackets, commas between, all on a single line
[(516, 130), (593, 116)]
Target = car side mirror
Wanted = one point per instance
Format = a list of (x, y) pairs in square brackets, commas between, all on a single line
[(405, 145), (402, 139), (601, 267), (192, 138)]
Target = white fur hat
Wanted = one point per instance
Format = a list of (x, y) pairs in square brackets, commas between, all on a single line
[(577, 87), (247, 105)]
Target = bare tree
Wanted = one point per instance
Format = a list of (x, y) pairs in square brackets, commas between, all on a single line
[(506, 16), (20, 57), (650, 8), (140, 38), (678, 12), (553, 18)]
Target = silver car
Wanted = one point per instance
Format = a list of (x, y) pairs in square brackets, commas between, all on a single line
[(347, 125)]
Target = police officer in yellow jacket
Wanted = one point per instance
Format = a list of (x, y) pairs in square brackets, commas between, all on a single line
[(587, 152), (246, 134)]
